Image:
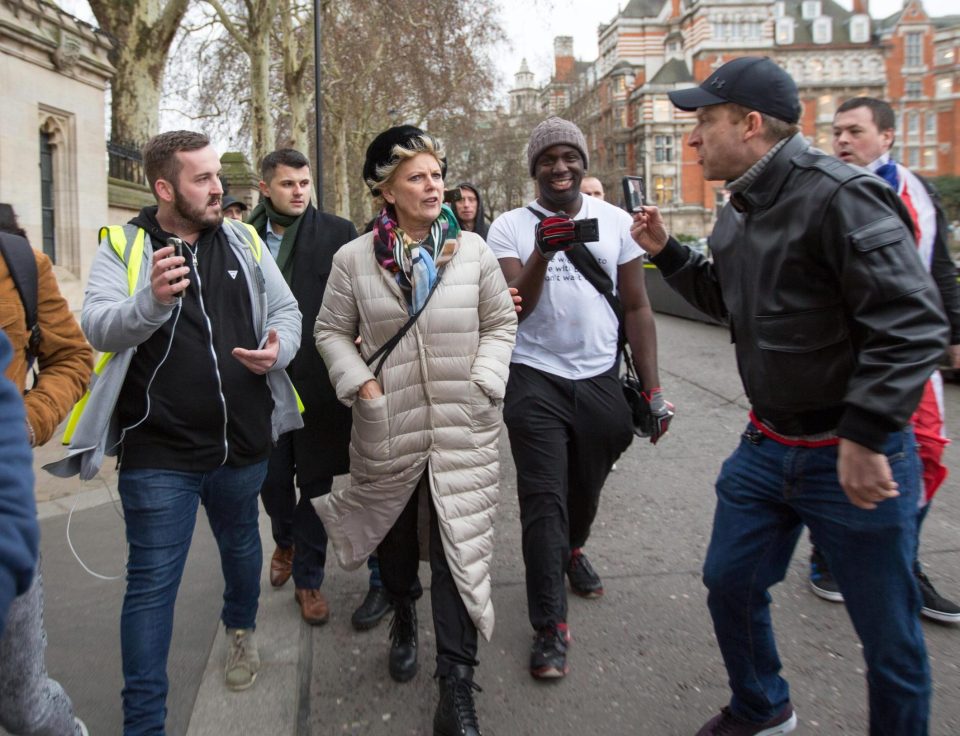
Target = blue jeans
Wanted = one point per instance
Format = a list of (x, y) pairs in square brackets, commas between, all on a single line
[(160, 508), (765, 493)]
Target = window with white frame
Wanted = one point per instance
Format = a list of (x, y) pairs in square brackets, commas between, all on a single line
[(913, 124), (913, 89), (663, 148), (621, 155), (930, 129), (822, 30), (930, 158), (784, 31), (860, 28), (944, 87), (913, 158), (810, 9), (913, 49)]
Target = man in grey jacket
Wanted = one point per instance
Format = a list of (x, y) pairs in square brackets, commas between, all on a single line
[(201, 328)]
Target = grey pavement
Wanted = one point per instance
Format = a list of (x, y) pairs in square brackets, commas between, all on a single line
[(643, 659)]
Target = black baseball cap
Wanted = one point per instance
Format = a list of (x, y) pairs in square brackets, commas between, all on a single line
[(756, 82), (229, 201)]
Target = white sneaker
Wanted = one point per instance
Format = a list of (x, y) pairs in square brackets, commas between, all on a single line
[(80, 727), (243, 659)]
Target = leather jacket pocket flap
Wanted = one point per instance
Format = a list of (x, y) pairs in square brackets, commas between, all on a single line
[(885, 231), (801, 332)]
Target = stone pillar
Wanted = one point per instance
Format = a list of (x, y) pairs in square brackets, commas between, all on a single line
[(240, 178)]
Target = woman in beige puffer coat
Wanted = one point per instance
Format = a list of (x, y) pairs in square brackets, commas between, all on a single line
[(426, 429)]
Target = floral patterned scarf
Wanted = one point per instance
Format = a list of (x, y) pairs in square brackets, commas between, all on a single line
[(415, 265)]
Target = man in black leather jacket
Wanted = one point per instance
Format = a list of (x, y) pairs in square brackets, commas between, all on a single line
[(837, 327)]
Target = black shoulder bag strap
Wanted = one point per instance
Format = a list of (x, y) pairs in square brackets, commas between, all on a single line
[(583, 260), (21, 262), (384, 350)]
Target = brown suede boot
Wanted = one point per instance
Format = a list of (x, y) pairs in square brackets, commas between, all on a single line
[(281, 566)]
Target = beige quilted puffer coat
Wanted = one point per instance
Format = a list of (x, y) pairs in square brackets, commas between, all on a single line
[(441, 410)]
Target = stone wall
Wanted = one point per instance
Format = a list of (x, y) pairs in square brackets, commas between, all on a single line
[(53, 74)]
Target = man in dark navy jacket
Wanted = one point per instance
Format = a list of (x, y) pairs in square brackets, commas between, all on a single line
[(303, 241)]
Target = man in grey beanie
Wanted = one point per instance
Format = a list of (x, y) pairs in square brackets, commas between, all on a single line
[(564, 407)]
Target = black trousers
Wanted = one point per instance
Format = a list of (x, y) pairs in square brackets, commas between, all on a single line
[(565, 436), (295, 522), (399, 555)]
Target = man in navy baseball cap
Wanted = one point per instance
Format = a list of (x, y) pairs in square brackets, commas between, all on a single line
[(838, 328), (755, 82)]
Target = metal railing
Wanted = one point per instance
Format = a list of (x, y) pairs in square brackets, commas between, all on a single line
[(125, 162)]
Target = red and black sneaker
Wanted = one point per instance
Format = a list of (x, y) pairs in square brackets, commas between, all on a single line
[(548, 655), (584, 580)]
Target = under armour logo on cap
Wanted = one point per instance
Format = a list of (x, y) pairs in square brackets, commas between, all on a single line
[(754, 82)]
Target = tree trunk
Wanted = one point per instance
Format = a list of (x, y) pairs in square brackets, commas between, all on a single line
[(144, 30), (263, 138), (341, 182), (297, 56)]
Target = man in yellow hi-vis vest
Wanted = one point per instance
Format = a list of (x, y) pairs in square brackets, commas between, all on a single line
[(198, 330)]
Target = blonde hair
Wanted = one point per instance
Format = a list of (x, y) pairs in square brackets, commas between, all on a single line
[(425, 143)]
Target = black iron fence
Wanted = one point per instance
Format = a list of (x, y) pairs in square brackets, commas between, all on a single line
[(125, 162)]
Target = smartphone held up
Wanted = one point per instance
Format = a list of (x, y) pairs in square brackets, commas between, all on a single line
[(177, 244), (634, 195)]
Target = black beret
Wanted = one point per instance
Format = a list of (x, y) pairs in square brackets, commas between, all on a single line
[(380, 150)]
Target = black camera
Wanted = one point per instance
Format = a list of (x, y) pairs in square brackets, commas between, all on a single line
[(586, 231)]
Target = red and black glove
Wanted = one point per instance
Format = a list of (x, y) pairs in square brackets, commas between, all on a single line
[(554, 234), (657, 415)]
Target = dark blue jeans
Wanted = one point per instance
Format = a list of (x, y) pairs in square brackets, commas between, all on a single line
[(160, 509), (765, 493)]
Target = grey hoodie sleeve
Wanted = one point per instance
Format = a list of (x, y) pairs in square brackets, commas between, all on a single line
[(282, 312), (113, 319)]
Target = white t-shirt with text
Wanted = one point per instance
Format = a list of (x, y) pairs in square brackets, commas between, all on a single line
[(572, 332)]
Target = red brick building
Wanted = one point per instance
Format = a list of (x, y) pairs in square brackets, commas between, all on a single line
[(654, 46)]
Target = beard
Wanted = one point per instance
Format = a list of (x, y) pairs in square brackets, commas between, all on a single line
[(196, 216)]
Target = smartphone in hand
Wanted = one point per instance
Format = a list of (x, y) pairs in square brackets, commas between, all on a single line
[(178, 249), (634, 194)]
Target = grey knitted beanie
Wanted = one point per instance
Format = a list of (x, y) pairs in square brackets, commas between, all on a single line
[(555, 131)]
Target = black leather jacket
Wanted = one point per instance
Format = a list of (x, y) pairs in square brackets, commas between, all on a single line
[(837, 325)]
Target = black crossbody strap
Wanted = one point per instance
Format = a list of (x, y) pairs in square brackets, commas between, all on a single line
[(384, 350), (583, 260), (22, 264)]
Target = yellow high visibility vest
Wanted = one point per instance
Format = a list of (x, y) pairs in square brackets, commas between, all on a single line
[(131, 253)]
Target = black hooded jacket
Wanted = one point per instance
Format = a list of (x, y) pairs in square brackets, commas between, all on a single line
[(204, 408)]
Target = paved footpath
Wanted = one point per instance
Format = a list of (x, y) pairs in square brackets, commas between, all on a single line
[(643, 659)]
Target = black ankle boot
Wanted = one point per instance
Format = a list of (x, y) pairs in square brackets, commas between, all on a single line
[(403, 641), (456, 715), (374, 607)]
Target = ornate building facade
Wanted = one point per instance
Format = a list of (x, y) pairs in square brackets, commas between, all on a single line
[(654, 46), (54, 71)]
